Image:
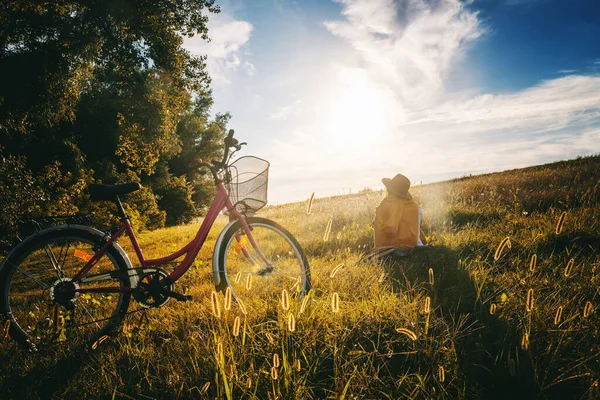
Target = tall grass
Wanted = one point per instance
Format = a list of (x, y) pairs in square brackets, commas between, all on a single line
[(503, 305)]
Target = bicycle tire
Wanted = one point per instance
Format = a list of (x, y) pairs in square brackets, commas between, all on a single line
[(233, 269), (32, 301)]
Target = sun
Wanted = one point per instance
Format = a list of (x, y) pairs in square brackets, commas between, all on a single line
[(361, 114)]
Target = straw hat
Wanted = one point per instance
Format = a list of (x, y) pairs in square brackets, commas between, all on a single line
[(398, 186)]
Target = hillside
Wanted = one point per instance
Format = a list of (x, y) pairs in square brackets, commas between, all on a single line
[(505, 304)]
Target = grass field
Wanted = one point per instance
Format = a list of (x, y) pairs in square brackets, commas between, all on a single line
[(505, 304)]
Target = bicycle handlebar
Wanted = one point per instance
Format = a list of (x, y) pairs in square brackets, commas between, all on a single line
[(214, 166)]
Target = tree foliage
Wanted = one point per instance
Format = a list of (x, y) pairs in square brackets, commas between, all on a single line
[(103, 91)]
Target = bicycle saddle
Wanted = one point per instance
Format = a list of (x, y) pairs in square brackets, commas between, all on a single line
[(108, 192)]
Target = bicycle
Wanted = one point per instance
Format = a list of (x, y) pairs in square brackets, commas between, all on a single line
[(49, 296)]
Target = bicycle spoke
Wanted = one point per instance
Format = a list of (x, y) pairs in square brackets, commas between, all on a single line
[(53, 261), (41, 283)]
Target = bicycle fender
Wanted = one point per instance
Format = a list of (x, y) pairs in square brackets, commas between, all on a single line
[(124, 256)]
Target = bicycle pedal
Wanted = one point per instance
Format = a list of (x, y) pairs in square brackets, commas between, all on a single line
[(179, 296)]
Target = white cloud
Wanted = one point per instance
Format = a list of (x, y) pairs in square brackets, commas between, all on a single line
[(412, 45), (228, 36), (389, 109), (286, 111)]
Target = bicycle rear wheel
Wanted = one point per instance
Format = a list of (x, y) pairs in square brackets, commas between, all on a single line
[(254, 279), (40, 300)]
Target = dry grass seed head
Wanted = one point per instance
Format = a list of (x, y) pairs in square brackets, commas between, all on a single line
[(529, 306), (505, 243), (205, 387), (431, 276), (298, 365), (274, 373), (427, 305), (249, 282), (242, 307), (285, 300), (588, 309), (335, 270), (560, 223), (569, 267), (310, 203), (238, 276), (99, 341), (291, 323), (335, 302), (216, 307), (327, 231), (236, 326), (276, 360), (227, 302), (533, 263), (492, 309), (304, 304), (441, 373), (408, 333), (558, 315), (249, 383)]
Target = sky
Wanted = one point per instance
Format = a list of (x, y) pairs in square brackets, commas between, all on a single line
[(339, 94)]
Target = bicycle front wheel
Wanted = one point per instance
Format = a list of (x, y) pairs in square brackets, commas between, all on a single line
[(44, 306), (260, 275)]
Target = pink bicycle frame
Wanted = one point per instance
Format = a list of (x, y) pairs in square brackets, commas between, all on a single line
[(190, 250)]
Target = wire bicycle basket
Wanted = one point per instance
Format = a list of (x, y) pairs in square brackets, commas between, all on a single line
[(246, 181)]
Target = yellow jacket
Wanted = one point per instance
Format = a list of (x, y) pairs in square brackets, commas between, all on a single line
[(397, 223)]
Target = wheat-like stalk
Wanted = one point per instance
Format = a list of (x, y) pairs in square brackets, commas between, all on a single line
[(205, 387), (525, 341), (407, 332), (335, 270), (275, 360), (533, 262), (427, 305), (310, 203), (227, 303), (505, 243), (327, 231), (569, 267), (441, 373), (99, 341), (492, 309), (529, 305), (285, 300), (216, 307), (274, 373), (335, 302), (588, 309), (558, 315), (304, 304), (431, 276), (236, 326), (249, 282), (560, 223), (291, 322)]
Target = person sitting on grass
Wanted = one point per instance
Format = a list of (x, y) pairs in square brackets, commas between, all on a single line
[(398, 219)]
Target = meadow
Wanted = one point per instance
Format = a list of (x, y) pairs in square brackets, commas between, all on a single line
[(504, 304)]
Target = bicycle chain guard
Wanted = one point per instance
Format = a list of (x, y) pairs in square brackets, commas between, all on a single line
[(154, 289)]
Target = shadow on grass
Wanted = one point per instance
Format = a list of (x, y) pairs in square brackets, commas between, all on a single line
[(48, 378), (487, 345)]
